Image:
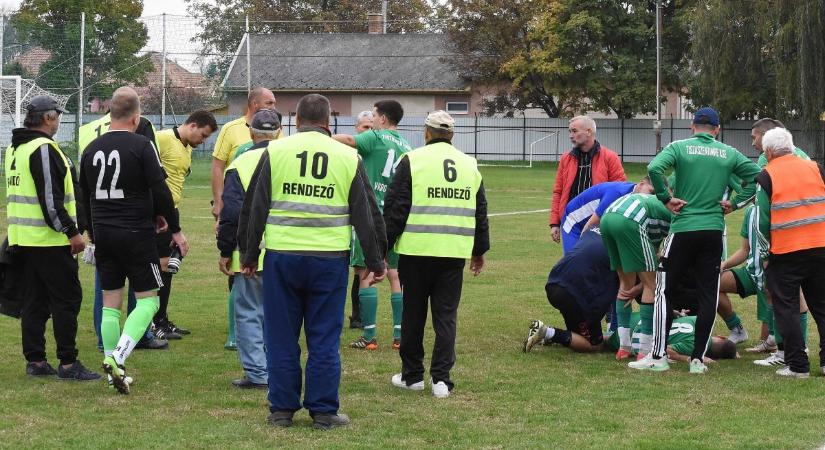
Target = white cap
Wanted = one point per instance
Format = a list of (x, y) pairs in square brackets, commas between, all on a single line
[(440, 120)]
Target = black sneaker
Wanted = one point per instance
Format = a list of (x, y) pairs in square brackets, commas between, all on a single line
[(165, 332), (280, 419), (40, 370), (176, 329), (329, 421), (152, 344), (76, 372), (246, 383)]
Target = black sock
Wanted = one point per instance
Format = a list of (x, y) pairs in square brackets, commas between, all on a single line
[(165, 291), (356, 301), (562, 337)]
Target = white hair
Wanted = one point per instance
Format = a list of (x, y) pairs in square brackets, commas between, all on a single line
[(271, 134), (363, 115), (778, 140), (588, 122)]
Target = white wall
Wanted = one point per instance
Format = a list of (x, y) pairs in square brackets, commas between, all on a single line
[(414, 105)]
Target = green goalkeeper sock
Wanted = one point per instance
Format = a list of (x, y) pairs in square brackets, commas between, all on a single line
[(135, 326), (803, 324), (733, 321), (110, 329), (369, 309), (397, 301)]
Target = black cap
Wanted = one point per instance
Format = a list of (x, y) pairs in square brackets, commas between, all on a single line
[(266, 120), (41, 103)]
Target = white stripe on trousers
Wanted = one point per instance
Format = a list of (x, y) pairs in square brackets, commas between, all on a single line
[(660, 307)]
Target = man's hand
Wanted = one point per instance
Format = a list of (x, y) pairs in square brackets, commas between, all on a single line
[(555, 233), (248, 270), (217, 205), (477, 263), (727, 207), (160, 224), (675, 205), (373, 277), (224, 265), (179, 240), (77, 243)]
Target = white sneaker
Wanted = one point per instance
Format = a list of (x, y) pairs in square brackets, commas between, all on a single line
[(440, 389), (535, 336), (766, 346), (775, 359), (400, 383), (738, 335), (697, 366), (787, 372), (650, 363)]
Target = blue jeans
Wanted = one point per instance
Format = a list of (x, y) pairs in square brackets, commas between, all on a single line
[(306, 291), (249, 326), (97, 314)]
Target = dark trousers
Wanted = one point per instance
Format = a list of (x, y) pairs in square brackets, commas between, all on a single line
[(51, 288), (437, 280), (784, 276), (696, 254), (306, 291)]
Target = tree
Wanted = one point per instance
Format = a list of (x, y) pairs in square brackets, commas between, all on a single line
[(223, 20), (112, 40)]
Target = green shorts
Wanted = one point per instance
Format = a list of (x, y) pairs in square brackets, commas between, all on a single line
[(356, 256), (763, 314), (627, 245), (745, 286)]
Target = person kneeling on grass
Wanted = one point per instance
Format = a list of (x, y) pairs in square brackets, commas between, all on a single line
[(582, 287)]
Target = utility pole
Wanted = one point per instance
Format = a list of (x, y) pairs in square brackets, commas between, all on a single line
[(163, 76), (384, 15), (657, 125)]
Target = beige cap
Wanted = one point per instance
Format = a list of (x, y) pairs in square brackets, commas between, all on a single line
[(441, 120)]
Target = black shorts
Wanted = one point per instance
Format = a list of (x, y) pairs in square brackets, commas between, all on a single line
[(122, 254), (574, 318)]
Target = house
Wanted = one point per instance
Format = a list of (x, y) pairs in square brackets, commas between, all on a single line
[(354, 70)]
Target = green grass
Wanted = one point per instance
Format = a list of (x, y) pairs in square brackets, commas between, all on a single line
[(550, 398)]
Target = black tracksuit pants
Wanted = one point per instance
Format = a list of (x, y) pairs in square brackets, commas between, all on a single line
[(784, 276), (50, 288), (437, 281), (696, 254)]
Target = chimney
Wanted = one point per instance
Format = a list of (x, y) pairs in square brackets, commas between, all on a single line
[(376, 23)]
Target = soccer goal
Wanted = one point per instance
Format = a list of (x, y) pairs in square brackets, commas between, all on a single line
[(542, 149), (15, 93)]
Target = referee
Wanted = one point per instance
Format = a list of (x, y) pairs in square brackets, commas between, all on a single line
[(436, 216), (702, 167)]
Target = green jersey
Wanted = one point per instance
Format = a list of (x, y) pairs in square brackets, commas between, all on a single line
[(703, 168), (647, 211), (381, 150), (680, 338), (763, 160), (242, 149), (758, 246)]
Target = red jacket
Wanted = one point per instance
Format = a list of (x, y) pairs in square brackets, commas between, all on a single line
[(605, 167)]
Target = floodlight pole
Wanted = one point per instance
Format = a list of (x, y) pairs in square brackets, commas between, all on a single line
[(163, 75), (657, 125)]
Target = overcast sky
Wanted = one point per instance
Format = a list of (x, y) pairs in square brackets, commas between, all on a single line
[(150, 7)]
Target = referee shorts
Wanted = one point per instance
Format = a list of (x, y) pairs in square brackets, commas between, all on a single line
[(628, 246), (122, 254)]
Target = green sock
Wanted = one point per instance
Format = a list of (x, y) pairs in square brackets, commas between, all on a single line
[(803, 324), (110, 329), (646, 316), (369, 309), (135, 326), (231, 318), (733, 321), (623, 312), (397, 301)]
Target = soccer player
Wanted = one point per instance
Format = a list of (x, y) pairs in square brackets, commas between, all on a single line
[(586, 209), (632, 229), (381, 148), (123, 184), (703, 168), (582, 287), (363, 122), (175, 149)]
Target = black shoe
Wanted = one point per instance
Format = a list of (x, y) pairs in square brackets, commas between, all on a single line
[(165, 332), (281, 418), (176, 329), (76, 372), (329, 421), (355, 322), (245, 383), (40, 370), (152, 344)]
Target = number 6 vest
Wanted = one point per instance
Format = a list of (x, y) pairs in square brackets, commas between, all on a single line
[(27, 226)]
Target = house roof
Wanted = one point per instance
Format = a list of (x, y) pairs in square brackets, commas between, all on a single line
[(346, 62)]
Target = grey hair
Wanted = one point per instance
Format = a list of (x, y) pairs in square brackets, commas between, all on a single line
[(590, 123), (38, 118), (778, 140), (363, 115), (269, 134)]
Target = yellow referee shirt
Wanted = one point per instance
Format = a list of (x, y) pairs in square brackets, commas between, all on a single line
[(233, 134), (176, 160)]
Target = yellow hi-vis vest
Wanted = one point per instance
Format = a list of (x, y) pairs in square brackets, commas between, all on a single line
[(442, 218), (94, 129), (245, 165), (27, 226), (311, 178)]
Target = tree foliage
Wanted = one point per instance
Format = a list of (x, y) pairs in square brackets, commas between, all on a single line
[(112, 40), (223, 20)]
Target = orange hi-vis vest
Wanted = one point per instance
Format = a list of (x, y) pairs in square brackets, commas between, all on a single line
[(797, 205)]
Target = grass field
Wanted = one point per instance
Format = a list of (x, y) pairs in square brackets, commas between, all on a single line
[(550, 398)]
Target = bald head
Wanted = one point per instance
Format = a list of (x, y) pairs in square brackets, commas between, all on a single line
[(125, 109), (259, 98)]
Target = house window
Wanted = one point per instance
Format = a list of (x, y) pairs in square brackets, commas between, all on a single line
[(458, 107)]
